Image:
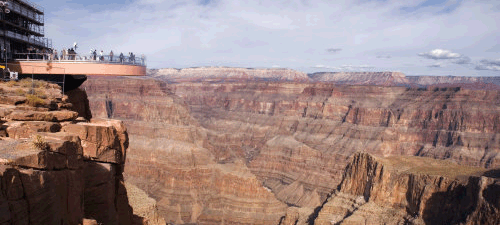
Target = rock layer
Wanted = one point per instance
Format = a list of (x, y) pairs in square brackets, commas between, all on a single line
[(296, 137), (227, 73), (411, 190), (170, 158), (56, 169)]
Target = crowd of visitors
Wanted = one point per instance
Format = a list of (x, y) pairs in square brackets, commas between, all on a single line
[(71, 54)]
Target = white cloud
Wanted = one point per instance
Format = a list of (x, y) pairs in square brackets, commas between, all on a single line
[(493, 62), (486, 64), (462, 60), (440, 54)]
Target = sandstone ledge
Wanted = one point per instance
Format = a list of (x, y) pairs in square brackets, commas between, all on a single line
[(56, 168)]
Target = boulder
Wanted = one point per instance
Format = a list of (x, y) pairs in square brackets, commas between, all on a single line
[(24, 129), (12, 99), (54, 116), (101, 141)]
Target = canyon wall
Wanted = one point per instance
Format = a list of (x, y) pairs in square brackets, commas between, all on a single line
[(171, 158), (412, 190), (213, 152), (226, 73), (296, 137), (387, 78), (474, 83), (361, 78), (56, 168)]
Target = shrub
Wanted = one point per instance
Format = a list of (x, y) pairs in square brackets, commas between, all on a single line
[(38, 92), (11, 83), (26, 82), (40, 84), (34, 100), (39, 142), (20, 91)]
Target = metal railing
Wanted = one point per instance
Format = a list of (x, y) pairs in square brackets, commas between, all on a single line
[(40, 41), (105, 59)]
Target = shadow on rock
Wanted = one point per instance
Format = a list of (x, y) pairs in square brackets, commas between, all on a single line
[(105, 194), (494, 173), (452, 206)]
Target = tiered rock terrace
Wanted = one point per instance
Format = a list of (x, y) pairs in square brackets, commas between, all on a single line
[(56, 168), (227, 73), (295, 138), (170, 158), (362, 78)]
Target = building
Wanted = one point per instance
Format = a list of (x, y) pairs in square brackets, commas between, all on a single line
[(22, 29), (27, 52)]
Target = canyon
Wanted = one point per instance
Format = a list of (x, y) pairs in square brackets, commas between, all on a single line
[(214, 148), (232, 150)]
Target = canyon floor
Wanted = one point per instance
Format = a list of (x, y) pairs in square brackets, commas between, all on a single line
[(213, 149)]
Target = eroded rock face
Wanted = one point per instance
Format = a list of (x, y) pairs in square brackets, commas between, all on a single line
[(171, 159), (295, 138), (411, 189), (362, 78), (55, 169), (144, 207), (227, 73)]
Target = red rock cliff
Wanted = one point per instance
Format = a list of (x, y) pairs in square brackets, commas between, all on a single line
[(171, 158), (412, 190), (56, 168), (296, 137)]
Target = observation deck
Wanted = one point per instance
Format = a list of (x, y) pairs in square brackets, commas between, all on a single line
[(39, 63)]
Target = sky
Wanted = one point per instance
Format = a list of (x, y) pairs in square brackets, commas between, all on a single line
[(420, 37)]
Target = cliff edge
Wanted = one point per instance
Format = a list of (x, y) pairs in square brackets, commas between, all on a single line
[(57, 167), (412, 190)]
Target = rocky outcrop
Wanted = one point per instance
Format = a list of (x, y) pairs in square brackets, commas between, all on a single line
[(227, 74), (55, 168), (145, 208), (412, 190), (171, 159), (473, 83), (399, 79), (362, 78)]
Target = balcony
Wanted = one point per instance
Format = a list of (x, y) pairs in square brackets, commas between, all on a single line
[(28, 13), (74, 64), (38, 41)]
